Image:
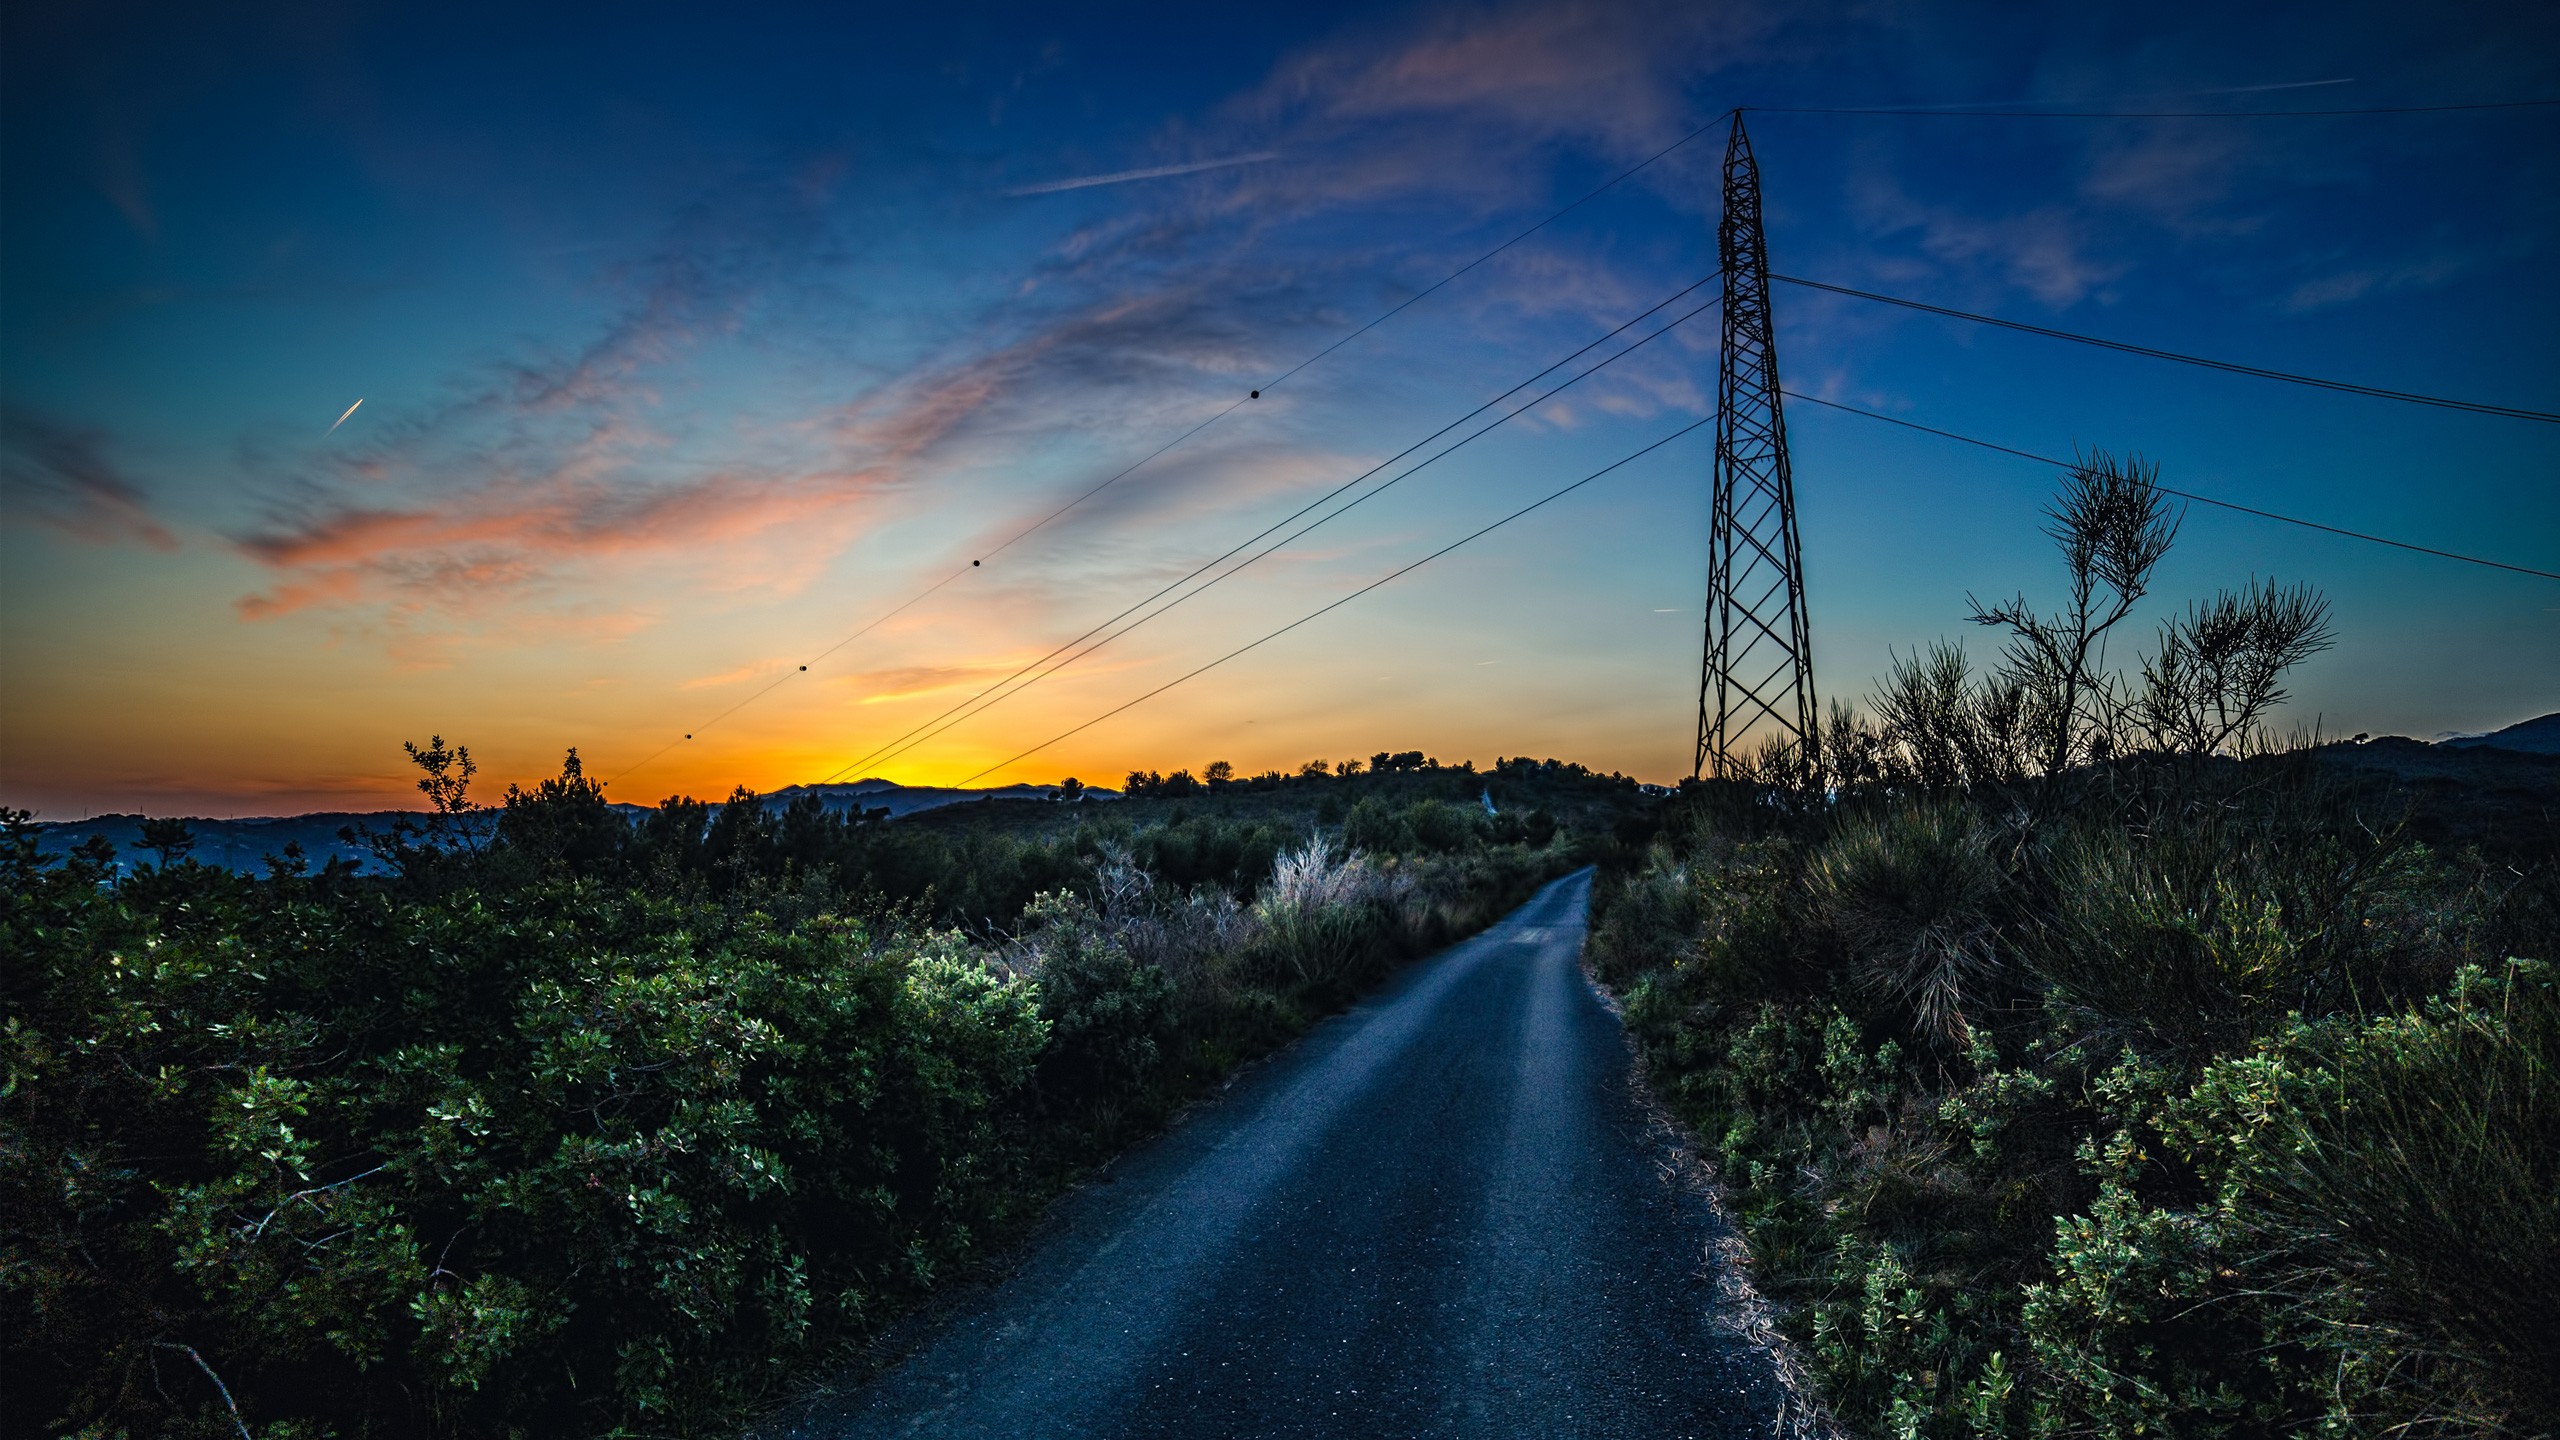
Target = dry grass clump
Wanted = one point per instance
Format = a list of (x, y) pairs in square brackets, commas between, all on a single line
[(1914, 897)]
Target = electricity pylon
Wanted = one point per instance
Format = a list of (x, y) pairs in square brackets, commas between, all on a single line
[(1759, 665)]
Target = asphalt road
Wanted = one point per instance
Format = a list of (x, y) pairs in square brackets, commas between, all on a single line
[(1442, 1213)]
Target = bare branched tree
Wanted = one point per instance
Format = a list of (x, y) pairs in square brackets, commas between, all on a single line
[(2053, 702), (2220, 667), (2114, 525)]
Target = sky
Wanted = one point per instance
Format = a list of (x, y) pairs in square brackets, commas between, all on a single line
[(689, 346)]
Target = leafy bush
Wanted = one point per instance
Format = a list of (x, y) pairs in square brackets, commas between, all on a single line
[(569, 1124), (2402, 1174), (548, 1154), (1109, 1014)]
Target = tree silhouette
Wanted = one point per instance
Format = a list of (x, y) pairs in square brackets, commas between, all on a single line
[(2114, 524), (171, 839), (447, 785), (564, 819)]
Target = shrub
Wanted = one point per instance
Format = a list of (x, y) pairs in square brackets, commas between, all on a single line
[(2407, 1173), (1320, 915), (2234, 1147), (1913, 897), (1108, 1013), (2201, 931), (362, 1158), (1374, 825), (568, 1124)]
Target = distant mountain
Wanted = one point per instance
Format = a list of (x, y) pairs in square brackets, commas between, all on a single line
[(242, 844), (245, 844), (2538, 736)]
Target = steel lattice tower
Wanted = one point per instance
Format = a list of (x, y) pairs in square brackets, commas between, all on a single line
[(1759, 662)]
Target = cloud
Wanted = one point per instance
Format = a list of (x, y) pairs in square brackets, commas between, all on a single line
[(2343, 287), (550, 468), (61, 476), (752, 670), (917, 682), (488, 545), (543, 465), (2046, 251), (1472, 103)]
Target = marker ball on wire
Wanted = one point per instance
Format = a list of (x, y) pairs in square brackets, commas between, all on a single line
[(1257, 394)]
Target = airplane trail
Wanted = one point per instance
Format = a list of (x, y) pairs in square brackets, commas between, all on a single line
[(1156, 172)]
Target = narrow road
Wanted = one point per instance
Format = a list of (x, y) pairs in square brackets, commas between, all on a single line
[(1442, 1213)]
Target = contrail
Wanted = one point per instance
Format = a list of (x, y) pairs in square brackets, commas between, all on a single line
[(1994, 106), (341, 420), (1157, 172), (2261, 89)]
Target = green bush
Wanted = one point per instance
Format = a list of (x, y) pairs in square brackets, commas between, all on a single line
[(554, 1158), (2401, 1177), (1109, 1015), (574, 1125), (2239, 1133)]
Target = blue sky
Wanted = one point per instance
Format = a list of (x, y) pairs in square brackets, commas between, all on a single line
[(690, 343)]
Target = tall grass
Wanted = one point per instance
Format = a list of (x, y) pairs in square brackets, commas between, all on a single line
[(1913, 897)]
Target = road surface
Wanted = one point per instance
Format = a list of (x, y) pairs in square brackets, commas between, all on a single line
[(1441, 1213)]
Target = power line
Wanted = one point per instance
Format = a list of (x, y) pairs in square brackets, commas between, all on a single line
[(900, 744), (1232, 406), (1936, 113), (2181, 494), (777, 681), (1548, 499), (1612, 183), (2344, 387), (972, 705)]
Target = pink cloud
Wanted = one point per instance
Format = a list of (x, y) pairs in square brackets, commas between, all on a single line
[(1157, 314), (502, 536)]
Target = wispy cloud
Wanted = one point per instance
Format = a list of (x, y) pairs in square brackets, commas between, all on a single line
[(2046, 251), (552, 466), (60, 475)]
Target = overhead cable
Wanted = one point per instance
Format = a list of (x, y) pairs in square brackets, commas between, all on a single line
[(1548, 499), (2166, 490), (973, 706), (2344, 387), (1231, 407), (776, 682), (1939, 113)]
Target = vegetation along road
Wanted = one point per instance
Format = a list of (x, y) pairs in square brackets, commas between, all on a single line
[(1444, 1213)]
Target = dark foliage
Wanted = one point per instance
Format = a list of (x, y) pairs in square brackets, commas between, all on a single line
[(582, 1122), (2082, 1062)]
